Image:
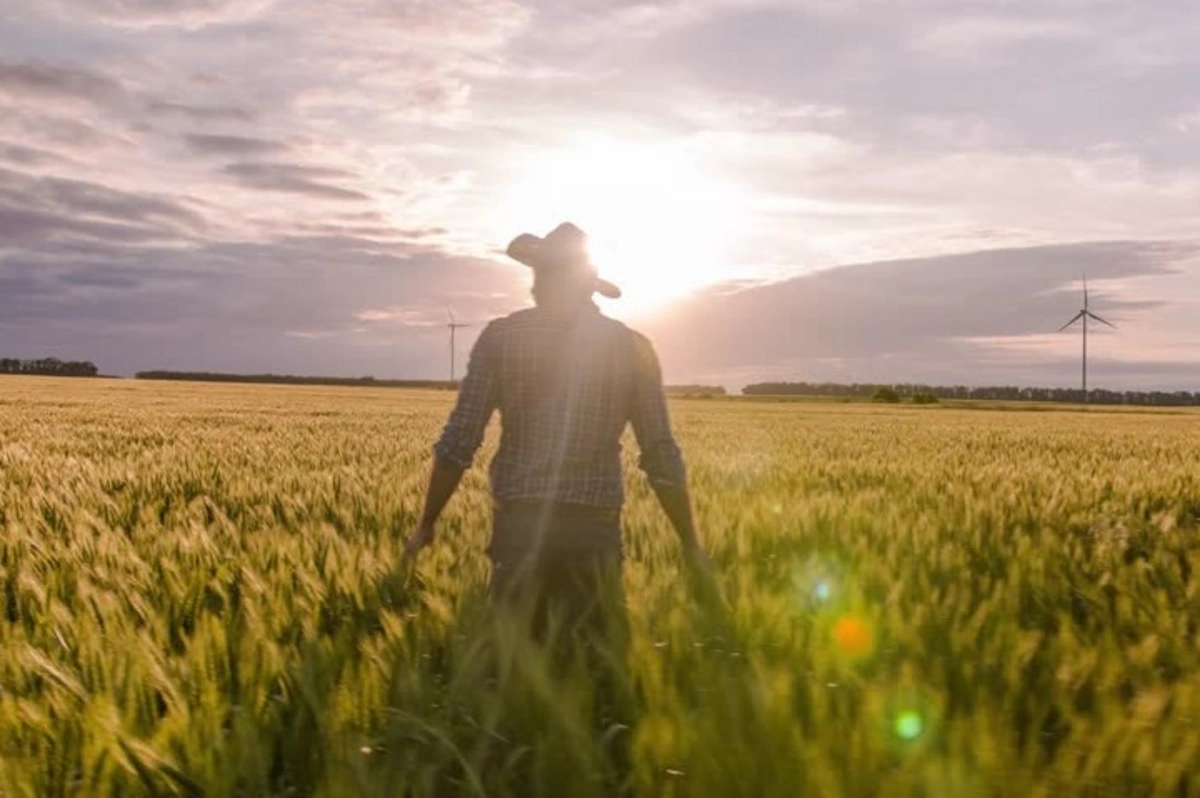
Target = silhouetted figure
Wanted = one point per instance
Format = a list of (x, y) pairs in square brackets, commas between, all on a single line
[(566, 381)]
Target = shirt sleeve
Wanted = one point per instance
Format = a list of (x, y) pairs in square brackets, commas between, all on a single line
[(660, 456), (477, 399)]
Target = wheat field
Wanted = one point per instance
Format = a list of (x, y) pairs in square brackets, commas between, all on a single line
[(200, 594)]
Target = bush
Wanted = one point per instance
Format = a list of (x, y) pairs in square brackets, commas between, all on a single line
[(885, 395), (925, 399)]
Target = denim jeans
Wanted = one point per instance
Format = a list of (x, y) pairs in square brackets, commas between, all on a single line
[(562, 564), (563, 560)]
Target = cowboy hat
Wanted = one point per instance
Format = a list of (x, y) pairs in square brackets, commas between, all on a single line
[(564, 247)]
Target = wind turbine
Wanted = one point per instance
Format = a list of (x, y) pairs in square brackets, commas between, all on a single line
[(454, 326), (1085, 314)]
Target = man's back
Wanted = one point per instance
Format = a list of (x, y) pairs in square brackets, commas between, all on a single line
[(566, 380), (565, 386)]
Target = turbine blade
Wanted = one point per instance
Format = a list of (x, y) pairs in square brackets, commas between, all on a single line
[(1085, 293), (1102, 321), (1076, 318)]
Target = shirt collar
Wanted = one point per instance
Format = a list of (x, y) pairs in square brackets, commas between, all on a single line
[(585, 310)]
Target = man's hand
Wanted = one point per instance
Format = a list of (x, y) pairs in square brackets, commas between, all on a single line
[(700, 567), (696, 558), (420, 539), (443, 481), (702, 577)]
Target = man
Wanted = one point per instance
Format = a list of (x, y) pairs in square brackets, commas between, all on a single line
[(566, 381)]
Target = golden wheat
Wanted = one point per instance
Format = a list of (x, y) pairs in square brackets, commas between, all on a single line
[(200, 594)]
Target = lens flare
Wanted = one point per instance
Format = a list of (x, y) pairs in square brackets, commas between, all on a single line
[(853, 637), (819, 584), (906, 718), (909, 725)]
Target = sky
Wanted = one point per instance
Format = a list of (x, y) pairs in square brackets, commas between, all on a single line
[(851, 190)]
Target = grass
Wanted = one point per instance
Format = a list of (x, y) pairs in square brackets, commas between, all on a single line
[(199, 595)]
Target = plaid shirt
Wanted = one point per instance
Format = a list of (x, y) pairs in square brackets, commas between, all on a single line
[(565, 389)]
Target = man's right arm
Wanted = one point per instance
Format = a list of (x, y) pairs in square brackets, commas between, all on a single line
[(460, 439)]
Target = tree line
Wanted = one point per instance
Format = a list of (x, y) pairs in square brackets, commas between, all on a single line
[(287, 379), (293, 379), (1006, 393), (49, 366), (693, 391), (905, 391)]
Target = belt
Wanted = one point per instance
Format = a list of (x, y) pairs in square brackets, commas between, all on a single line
[(559, 511)]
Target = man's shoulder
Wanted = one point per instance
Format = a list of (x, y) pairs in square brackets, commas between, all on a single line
[(638, 340), (517, 317), (517, 326), (634, 342), (515, 320), (531, 317)]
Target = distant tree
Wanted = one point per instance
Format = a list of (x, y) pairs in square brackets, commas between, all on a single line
[(287, 379), (992, 393), (885, 394), (924, 398), (694, 391), (50, 366)]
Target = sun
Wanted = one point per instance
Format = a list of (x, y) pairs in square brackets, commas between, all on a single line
[(657, 225)]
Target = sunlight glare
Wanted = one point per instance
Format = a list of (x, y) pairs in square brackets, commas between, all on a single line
[(658, 226)]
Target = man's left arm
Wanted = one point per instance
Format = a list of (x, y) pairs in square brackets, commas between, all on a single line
[(660, 458), (460, 440)]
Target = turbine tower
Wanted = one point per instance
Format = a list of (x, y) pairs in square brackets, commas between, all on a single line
[(454, 326), (1085, 314)]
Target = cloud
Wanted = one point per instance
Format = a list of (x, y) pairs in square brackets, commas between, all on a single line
[(19, 155), (276, 306), (976, 36), (25, 81), (470, 23), (1056, 76), (190, 14), (1187, 122), (175, 193), (938, 319), (294, 179), (217, 144), (200, 113), (38, 214), (408, 316), (26, 227), (86, 199), (76, 200), (821, 199), (372, 232), (53, 132)]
